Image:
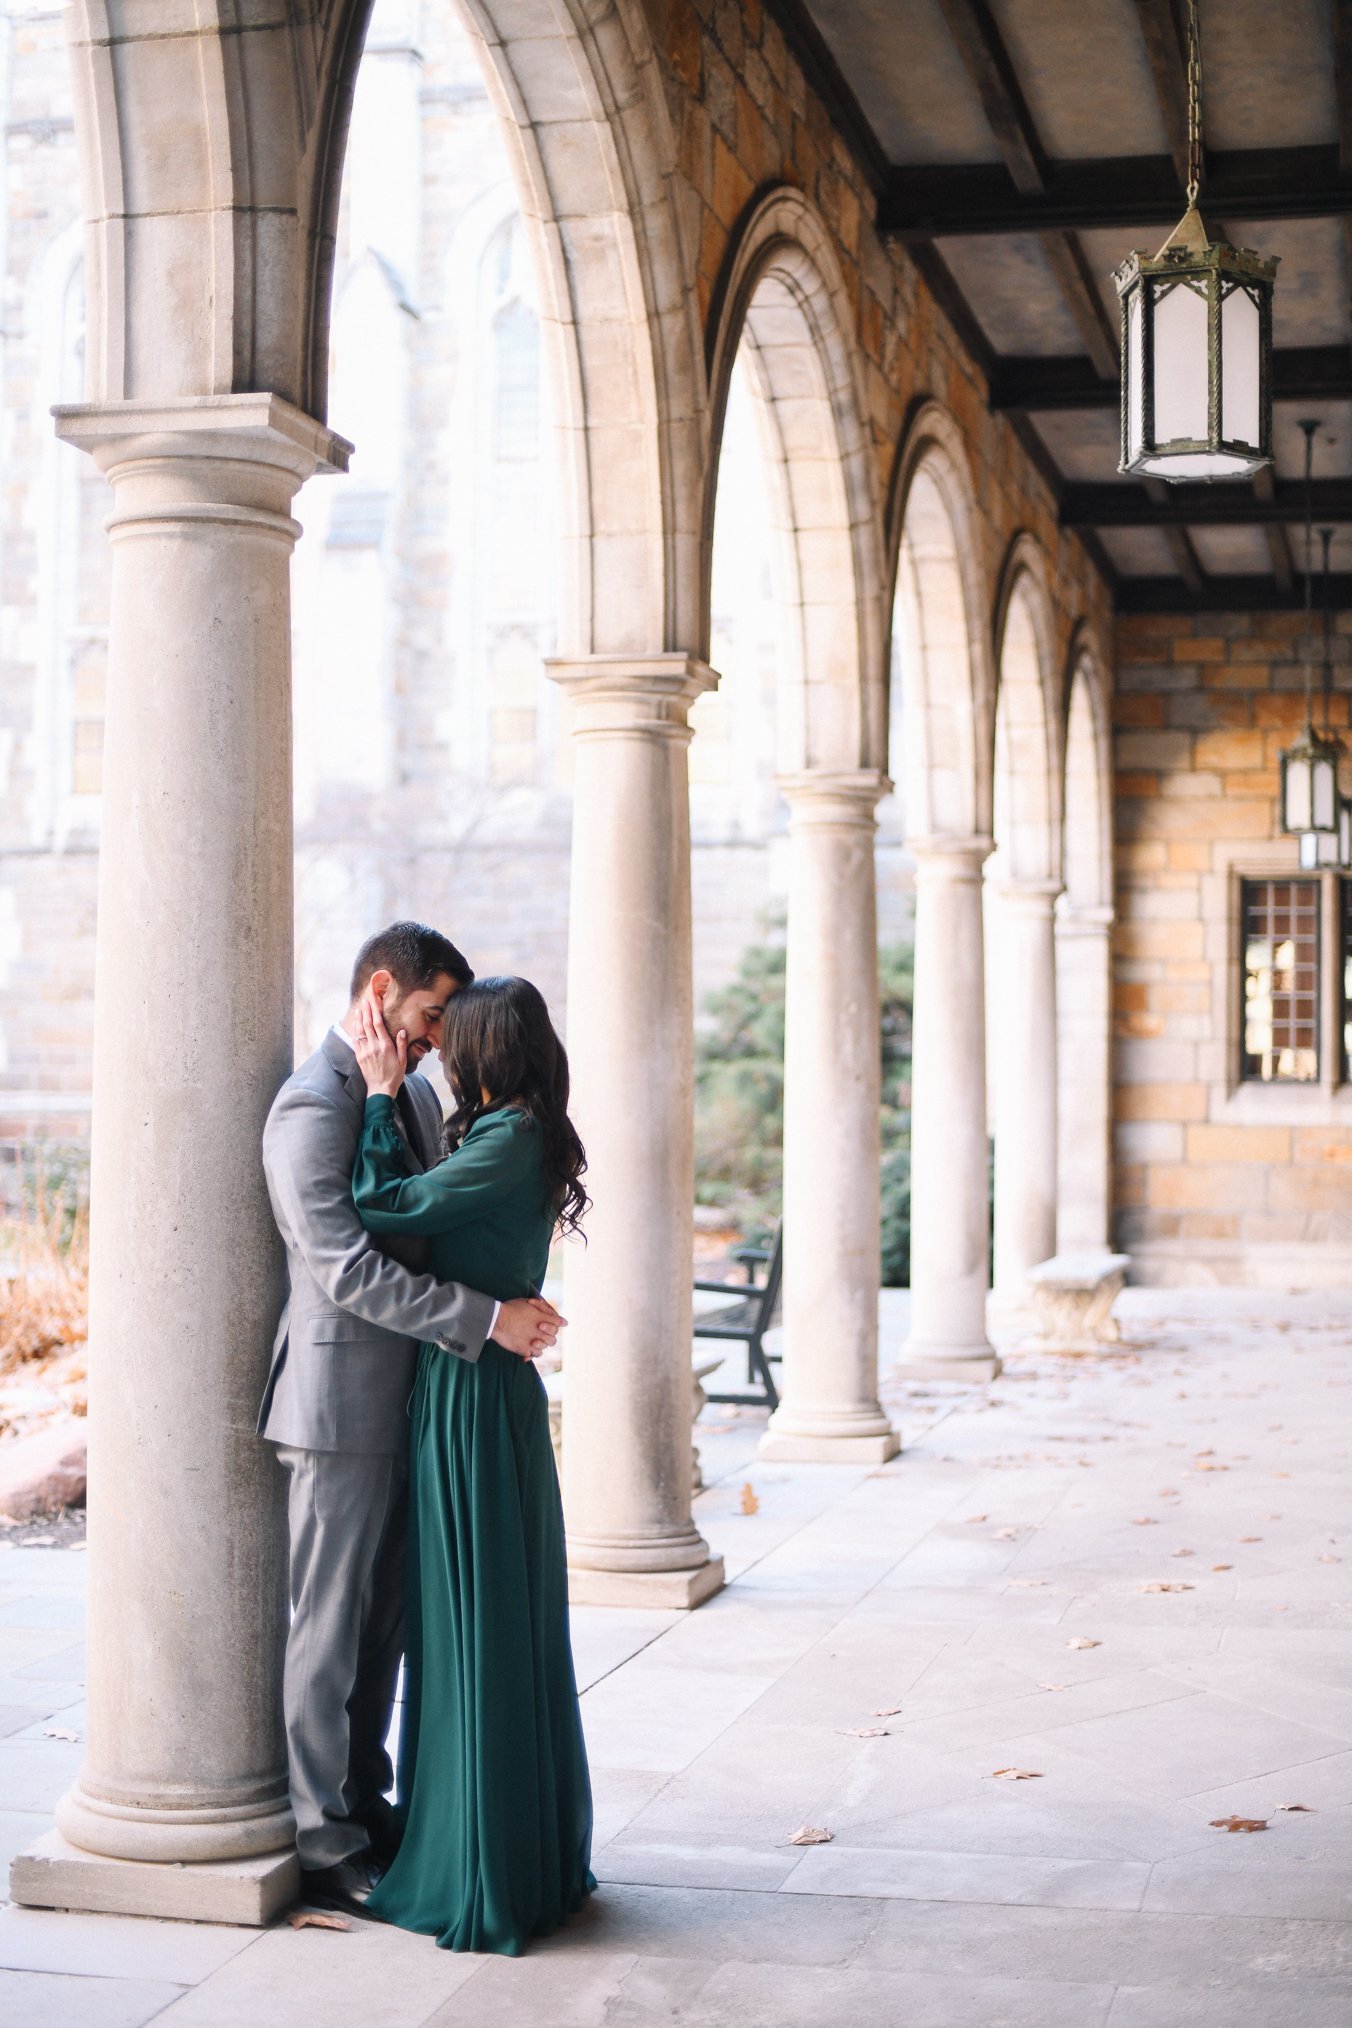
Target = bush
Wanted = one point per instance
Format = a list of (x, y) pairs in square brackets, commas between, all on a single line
[(739, 1097), (44, 1257)]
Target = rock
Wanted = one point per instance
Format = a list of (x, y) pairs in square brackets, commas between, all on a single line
[(43, 1471)]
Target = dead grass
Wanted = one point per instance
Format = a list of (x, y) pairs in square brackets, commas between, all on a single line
[(44, 1302)]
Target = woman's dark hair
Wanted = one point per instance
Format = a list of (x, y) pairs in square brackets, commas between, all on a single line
[(497, 1037)]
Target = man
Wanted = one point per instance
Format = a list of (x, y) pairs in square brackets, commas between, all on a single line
[(336, 1407)]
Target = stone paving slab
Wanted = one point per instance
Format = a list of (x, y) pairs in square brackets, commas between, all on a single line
[(934, 1600)]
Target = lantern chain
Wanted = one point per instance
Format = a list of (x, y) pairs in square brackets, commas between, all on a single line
[(1194, 104)]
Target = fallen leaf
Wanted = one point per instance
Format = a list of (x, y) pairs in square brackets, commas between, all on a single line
[(863, 1731), (1250, 1538), (1017, 1774), (750, 1504), (1004, 1535), (1305, 1809), (1053, 1686), (1082, 1641), (1222, 1566), (1168, 1492), (1210, 1465), (1239, 1823), (59, 1732), (1273, 1517), (316, 1918), (1162, 1584), (1145, 1521), (1279, 1475), (1182, 1552), (973, 1518), (810, 1835), (887, 1711), (1330, 1559)]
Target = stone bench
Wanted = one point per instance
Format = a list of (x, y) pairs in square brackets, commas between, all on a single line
[(1072, 1296), (701, 1366)]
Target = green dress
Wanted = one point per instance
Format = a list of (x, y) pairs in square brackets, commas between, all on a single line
[(493, 1786)]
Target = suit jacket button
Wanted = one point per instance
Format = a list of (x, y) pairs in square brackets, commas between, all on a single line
[(456, 1345), (444, 1343)]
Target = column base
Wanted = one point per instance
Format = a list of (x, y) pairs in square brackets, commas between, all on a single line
[(941, 1362), (786, 1447), (53, 1873), (657, 1590)]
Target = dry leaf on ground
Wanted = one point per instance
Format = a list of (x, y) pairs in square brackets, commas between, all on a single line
[(1145, 1521), (1017, 1774), (887, 1711), (750, 1504), (1053, 1686), (1330, 1559), (1304, 1809), (1222, 1566), (316, 1918), (972, 1518), (1082, 1641), (1182, 1552), (810, 1835), (1162, 1584), (863, 1731), (1004, 1535), (59, 1732), (1250, 1538), (1239, 1823)]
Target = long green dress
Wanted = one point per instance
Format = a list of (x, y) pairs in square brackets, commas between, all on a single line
[(493, 1786)]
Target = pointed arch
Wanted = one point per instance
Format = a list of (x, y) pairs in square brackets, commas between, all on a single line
[(1028, 721), (783, 309), (941, 639)]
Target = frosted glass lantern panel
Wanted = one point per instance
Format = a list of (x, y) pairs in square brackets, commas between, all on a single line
[(1239, 368), (1298, 795), (1180, 364), (1325, 796), (1135, 377)]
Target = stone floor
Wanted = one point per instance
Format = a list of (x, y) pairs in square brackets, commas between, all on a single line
[(889, 1640)]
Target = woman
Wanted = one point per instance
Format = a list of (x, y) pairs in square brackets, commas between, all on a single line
[(494, 1794)]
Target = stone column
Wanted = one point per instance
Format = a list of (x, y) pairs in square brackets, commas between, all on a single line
[(1023, 1007), (1084, 1096), (832, 1052), (950, 1242), (181, 1806), (627, 1360)]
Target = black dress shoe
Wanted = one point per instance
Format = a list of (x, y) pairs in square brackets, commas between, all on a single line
[(343, 1887)]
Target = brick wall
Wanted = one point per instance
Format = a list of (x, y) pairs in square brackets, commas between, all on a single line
[(1215, 1179)]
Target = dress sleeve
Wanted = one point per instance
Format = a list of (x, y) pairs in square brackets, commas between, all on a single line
[(390, 1197)]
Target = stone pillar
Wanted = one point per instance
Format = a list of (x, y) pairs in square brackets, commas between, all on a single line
[(832, 1053), (1023, 1004), (1084, 1096), (950, 1219), (627, 1361), (181, 1806)]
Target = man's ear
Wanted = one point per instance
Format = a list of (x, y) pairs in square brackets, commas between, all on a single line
[(380, 985)]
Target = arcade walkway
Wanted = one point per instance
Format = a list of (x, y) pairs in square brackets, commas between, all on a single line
[(947, 1590)]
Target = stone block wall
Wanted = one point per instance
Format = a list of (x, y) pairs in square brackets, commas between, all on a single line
[(1216, 1179)]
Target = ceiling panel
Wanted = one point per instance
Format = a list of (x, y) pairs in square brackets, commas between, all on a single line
[(1241, 551), (903, 68), (1309, 305), (1138, 552), (1084, 442), (1332, 443), (1267, 73), (1008, 283), (1083, 70)]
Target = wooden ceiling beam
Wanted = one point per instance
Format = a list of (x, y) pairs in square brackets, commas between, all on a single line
[(986, 60), (1274, 533), (1127, 193), (1075, 278), (1154, 504), (1169, 69), (1224, 594), (1310, 373)]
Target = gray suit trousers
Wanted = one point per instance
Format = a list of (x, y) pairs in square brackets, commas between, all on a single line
[(348, 1519)]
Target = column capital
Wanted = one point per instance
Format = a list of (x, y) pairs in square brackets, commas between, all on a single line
[(957, 858), (646, 696), (251, 428), (1085, 922), (834, 796), (1029, 897)]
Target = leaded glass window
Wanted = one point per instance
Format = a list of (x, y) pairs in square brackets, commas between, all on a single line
[(1280, 1042)]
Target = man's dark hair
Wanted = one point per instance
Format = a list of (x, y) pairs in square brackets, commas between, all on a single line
[(414, 956)]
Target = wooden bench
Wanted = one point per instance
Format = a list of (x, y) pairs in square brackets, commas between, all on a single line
[(1072, 1299), (746, 1321)]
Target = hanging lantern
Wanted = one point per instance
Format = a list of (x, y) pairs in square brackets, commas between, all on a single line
[(1329, 848), (1196, 341), (1311, 803)]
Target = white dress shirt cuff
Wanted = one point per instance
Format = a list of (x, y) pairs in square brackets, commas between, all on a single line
[(497, 1312)]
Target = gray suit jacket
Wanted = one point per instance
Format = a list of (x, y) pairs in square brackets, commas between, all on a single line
[(346, 1350)]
